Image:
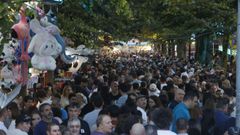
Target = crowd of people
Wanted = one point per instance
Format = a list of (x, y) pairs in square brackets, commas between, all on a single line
[(129, 94)]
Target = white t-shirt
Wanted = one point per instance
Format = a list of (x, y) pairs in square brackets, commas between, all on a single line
[(16, 132)]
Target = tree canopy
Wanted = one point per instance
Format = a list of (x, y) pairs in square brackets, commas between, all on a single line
[(85, 21)]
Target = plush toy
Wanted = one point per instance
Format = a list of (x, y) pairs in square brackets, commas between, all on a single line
[(45, 22), (44, 46), (81, 52), (6, 98), (8, 53), (8, 79), (51, 17), (77, 64)]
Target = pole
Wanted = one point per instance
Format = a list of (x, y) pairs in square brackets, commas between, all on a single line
[(238, 69)]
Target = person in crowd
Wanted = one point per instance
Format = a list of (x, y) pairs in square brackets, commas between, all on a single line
[(87, 108), (135, 79), (151, 128), (137, 129), (57, 107), (163, 81), (130, 105), (72, 98), (143, 88), (47, 117), (83, 88), (53, 129), (67, 89), (66, 132), (162, 118), (126, 121), (42, 97), (114, 77), (178, 97), (97, 102), (182, 126), (103, 90), (114, 93), (196, 117), (164, 98), (113, 112), (28, 104), (153, 102), (222, 121), (81, 99), (74, 110), (135, 88), (104, 125), (74, 126), (49, 90), (13, 113), (3, 117), (124, 88), (182, 109), (23, 124), (141, 103), (208, 120), (35, 119)]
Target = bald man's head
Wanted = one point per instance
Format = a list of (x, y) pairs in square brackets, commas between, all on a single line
[(137, 129)]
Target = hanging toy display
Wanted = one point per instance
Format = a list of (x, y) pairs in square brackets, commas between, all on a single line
[(49, 21), (21, 32), (44, 46)]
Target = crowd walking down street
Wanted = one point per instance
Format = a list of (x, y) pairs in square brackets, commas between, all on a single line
[(122, 94)]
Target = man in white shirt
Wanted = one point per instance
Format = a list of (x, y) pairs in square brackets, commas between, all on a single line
[(23, 124), (141, 103)]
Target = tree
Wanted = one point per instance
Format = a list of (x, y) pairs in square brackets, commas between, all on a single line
[(9, 10)]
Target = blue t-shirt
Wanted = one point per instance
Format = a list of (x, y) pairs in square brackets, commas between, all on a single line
[(180, 111)]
